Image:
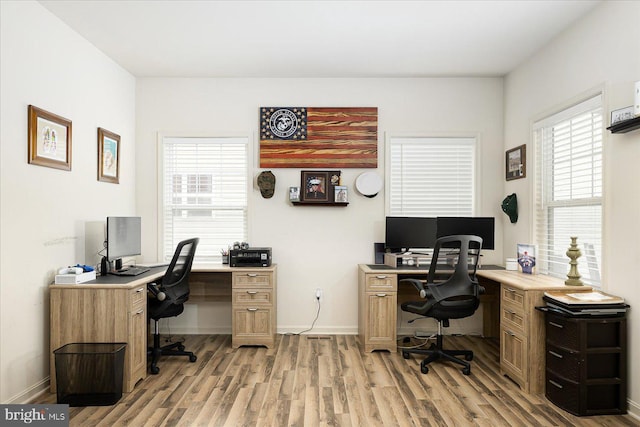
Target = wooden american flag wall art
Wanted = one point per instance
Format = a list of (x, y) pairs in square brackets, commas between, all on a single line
[(309, 137)]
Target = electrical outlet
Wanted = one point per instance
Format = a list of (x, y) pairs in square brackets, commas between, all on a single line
[(318, 294)]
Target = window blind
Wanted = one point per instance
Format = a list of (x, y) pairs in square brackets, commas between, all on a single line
[(431, 176), (568, 198), (204, 194)]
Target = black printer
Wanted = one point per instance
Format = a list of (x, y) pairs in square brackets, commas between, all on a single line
[(250, 257)]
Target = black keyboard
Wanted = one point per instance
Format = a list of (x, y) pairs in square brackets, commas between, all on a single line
[(130, 271)]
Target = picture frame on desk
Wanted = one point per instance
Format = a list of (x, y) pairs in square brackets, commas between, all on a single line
[(527, 257), (108, 156), (49, 139)]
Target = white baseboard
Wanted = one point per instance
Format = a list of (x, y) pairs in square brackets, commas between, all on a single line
[(29, 394), (633, 409)]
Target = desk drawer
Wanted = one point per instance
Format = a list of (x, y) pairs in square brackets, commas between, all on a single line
[(381, 282), (252, 279), (513, 317), (252, 296), (513, 296), (138, 295)]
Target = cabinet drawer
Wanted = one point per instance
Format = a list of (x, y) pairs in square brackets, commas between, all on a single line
[(513, 296), (381, 282), (562, 392), (138, 295), (563, 363), (252, 296), (562, 332), (514, 356), (513, 317), (253, 279)]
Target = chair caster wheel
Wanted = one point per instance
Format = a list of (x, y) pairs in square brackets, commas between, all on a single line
[(424, 369), (192, 358), (405, 354), (180, 347), (468, 357), (466, 371), (154, 370)]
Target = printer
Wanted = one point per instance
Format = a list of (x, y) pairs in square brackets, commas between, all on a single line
[(250, 257)]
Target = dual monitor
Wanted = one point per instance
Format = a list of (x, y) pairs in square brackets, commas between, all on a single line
[(404, 233)]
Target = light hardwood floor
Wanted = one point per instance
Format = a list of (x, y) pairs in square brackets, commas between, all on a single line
[(327, 381)]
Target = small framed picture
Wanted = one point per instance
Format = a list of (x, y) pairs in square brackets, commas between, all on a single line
[(622, 114), (49, 139), (294, 194), (527, 258), (108, 156), (341, 194), (315, 186), (516, 163)]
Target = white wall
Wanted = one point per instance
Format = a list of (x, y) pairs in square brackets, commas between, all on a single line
[(600, 51), (316, 246), (43, 210)]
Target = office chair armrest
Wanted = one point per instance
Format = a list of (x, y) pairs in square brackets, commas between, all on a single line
[(156, 292), (419, 285)]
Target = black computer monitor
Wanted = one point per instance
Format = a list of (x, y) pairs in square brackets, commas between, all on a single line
[(478, 226), (403, 233), (124, 235)]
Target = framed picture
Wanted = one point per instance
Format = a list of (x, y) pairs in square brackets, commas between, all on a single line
[(341, 194), (516, 163), (315, 186), (621, 115), (527, 258), (108, 156), (49, 139), (294, 194)]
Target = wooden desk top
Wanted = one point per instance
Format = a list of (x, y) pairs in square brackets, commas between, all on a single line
[(528, 281)]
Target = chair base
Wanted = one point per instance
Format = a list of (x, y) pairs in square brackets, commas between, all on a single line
[(173, 349), (436, 352)]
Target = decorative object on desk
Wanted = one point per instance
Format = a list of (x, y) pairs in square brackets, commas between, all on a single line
[(308, 137), (527, 258), (108, 156), (516, 163), (341, 194), (369, 184), (511, 264), (267, 184), (622, 114), (224, 254), (49, 139), (294, 194), (510, 207), (573, 253)]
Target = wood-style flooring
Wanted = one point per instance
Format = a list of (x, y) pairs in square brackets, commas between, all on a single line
[(327, 381)]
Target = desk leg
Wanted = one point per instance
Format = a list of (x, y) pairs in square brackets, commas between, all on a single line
[(490, 308)]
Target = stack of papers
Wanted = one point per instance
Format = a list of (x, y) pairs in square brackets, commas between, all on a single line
[(594, 303)]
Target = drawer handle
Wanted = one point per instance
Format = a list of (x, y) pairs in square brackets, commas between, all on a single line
[(556, 325), (381, 276), (558, 355), (140, 290), (252, 274), (141, 311), (510, 312), (252, 309), (510, 290), (510, 333), (252, 292), (381, 295), (556, 384)]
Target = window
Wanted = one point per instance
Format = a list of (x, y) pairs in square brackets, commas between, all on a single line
[(569, 189), (204, 194), (431, 177)]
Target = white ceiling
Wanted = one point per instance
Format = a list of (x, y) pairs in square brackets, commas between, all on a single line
[(321, 38)]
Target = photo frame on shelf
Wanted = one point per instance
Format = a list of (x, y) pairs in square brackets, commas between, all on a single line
[(341, 194), (49, 139), (294, 194), (516, 163), (108, 156), (622, 114), (315, 187)]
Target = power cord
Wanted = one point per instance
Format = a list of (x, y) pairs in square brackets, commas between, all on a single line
[(312, 323)]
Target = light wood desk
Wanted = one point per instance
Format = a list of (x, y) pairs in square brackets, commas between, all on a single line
[(508, 306), (114, 309)]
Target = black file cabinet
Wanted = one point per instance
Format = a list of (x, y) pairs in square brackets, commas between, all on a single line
[(586, 364)]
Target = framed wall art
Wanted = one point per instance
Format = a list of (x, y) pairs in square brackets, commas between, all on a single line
[(49, 139), (516, 163), (108, 156)]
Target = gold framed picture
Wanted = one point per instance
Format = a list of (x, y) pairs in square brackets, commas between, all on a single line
[(108, 156), (49, 139)]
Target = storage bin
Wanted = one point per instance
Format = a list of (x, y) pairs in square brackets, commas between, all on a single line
[(89, 374)]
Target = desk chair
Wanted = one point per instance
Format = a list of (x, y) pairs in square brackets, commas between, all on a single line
[(167, 299), (453, 298)]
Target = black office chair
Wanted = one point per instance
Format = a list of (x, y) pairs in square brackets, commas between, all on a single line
[(167, 299), (452, 298)]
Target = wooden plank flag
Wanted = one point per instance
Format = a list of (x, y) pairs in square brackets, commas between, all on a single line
[(308, 137)]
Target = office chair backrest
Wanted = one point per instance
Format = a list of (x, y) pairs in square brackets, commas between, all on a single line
[(175, 282), (457, 296)]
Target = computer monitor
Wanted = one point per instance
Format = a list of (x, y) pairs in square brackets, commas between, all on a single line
[(403, 233), (124, 235), (478, 226)]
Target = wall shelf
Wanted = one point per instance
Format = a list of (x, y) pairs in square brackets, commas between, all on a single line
[(320, 203), (625, 126)]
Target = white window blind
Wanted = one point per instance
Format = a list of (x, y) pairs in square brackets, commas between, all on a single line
[(569, 189), (431, 177), (204, 194)]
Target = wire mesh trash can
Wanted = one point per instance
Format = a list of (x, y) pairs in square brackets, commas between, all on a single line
[(89, 374)]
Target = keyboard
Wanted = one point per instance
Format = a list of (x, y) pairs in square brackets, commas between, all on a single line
[(130, 271), (154, 264)]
